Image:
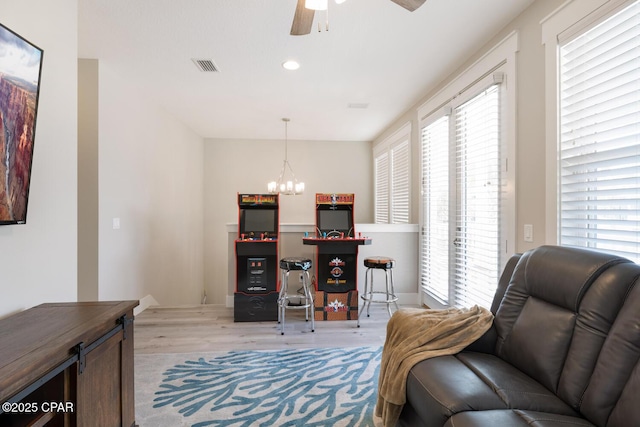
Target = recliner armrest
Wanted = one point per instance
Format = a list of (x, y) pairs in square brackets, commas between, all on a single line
[(486, 343), (503, 282)]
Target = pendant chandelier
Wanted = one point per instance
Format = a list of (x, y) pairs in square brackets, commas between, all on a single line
[(287, 182)]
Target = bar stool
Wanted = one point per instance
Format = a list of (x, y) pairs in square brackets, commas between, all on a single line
[(389, 295), (305, 300)]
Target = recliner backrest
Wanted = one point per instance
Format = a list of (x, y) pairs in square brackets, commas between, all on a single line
[(557, 312), (612, 397)]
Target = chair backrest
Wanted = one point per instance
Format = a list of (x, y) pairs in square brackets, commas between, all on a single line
[(561, 311)]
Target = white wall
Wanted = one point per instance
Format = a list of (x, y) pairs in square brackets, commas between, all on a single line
[(245, 166), (151, 178), (38, 261)]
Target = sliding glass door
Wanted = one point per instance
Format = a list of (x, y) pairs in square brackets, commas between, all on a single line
[(462, 189)]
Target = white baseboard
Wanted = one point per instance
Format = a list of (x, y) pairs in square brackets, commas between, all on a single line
[(409, 299), (145, 303)]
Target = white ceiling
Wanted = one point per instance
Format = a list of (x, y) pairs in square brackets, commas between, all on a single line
[(376, 53)]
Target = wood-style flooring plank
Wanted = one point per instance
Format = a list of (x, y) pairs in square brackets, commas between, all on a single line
[(209, 327)]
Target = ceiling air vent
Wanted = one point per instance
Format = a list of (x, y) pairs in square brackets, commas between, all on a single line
[(206, 65)]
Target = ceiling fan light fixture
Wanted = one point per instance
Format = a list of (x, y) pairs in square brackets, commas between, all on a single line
[(316, 4)]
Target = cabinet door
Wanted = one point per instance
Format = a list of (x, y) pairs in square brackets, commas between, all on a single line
[(105, 393)]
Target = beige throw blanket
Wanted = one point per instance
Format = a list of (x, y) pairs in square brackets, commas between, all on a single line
[(414, 335)]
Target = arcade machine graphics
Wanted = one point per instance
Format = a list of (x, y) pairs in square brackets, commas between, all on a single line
[(336, 257), (256, 249)]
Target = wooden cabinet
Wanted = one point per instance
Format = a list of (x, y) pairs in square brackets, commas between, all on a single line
[(68, 364)]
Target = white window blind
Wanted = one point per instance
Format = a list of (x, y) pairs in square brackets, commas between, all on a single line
[(599, 147), (435, 199), (400, 184), (461, 242), (392, 178), (381, 170), (477, 241)]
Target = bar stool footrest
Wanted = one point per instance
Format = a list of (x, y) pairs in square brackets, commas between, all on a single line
[(369, 298)]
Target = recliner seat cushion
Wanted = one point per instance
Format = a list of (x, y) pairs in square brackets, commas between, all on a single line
[(514, 418), (441, 387)]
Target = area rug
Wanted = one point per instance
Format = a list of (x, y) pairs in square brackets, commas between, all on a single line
[(313, 387)]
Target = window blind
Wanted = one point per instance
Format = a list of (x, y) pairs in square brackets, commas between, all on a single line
[(477, 241), (400, 183), (435, 232), (381, 167), (599, 146)]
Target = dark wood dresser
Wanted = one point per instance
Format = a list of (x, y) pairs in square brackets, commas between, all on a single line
[(68, 364)]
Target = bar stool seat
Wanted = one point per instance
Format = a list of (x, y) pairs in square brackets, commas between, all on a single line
[(388, 296), (304, 299), (379, 262), (295, 263)]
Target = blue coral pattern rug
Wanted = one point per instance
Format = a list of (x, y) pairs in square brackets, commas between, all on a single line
[(314, 387)]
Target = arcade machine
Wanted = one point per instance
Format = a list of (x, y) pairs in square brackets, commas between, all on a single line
[(256, 247), (336, 257)]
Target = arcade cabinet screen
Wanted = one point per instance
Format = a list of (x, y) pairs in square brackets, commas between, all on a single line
[(259, 220), (334, 220)]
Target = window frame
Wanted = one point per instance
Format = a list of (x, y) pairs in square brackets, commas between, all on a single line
[(565, 23), (501, 57)]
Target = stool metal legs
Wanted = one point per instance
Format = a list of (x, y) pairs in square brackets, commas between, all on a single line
[(305, 299), (368, 295)]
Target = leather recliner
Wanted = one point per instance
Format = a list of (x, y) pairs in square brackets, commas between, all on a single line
[(564, 349)]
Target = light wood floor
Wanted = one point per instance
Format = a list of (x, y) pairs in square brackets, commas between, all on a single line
[(211, 327)]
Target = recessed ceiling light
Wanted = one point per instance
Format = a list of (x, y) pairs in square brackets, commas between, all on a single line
[(290, 65)]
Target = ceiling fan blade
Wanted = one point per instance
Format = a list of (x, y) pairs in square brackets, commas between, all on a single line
[(302, 20), (410, 5)]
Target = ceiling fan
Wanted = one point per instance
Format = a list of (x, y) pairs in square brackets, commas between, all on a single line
[(303, 17)]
